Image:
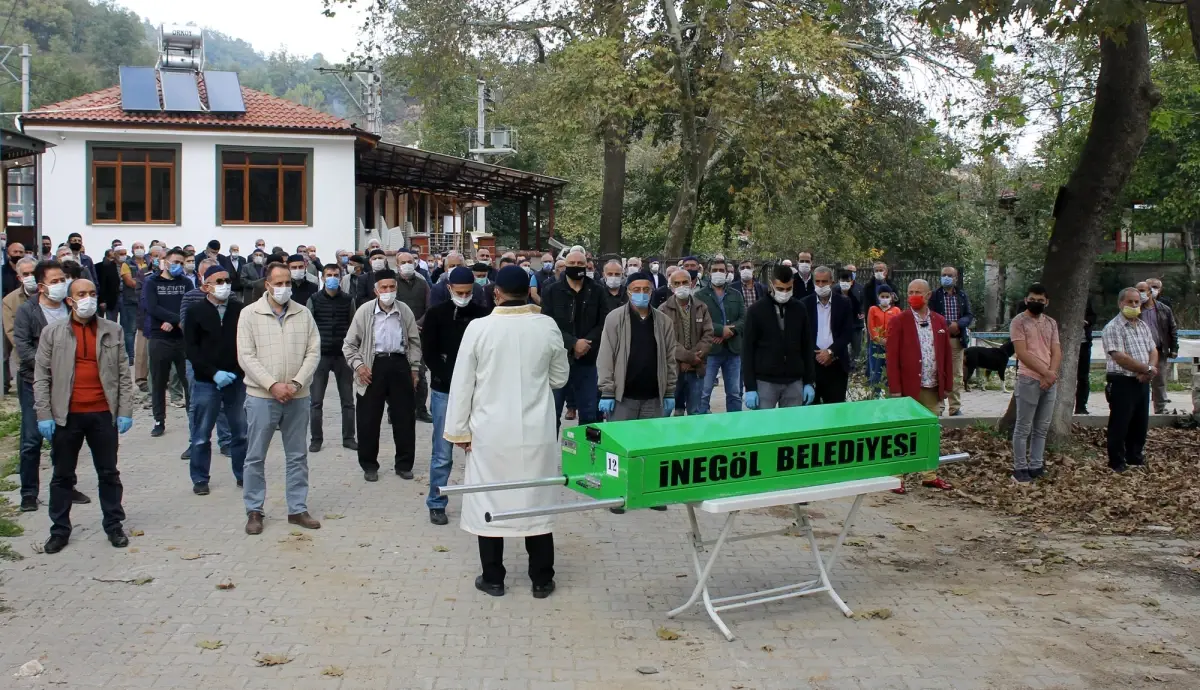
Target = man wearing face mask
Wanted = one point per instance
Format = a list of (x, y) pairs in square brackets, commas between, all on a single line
[(545, 271), (441, 292), (692, 265), (636, 364), (82, 392), (366, 287), (108, 286), (658, 281), (218, 383), (1035, 341), (236, 261), (251, 274), (728, 313), (777, 361), (848, 283), (614, 284), (28, 290), (752, 290), (383, 347), (332, 309), (302, 289), (213, 251), (15, 252), (1132, 361), (132, 272), (164, 299), (578, 307), (1161, 321), (75, 244), (693, 339), (952, 303), (662, 294), (47, 248), (832, 319), (804, 286), (413, 290), (879, 277), (445, 324), (633, 265)]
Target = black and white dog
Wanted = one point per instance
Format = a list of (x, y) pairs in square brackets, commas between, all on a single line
[(988, 358)]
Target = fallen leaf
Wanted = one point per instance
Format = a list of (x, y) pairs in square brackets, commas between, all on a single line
[(210, 644), (1035, 569), (647, 670), (333, 671), (1150, 603), (143, 580), (1156, 649), (271, 659), (961, 591), (1151, 676), (768, 648), (881, 614), (441, 549), (37, 547), (1109, 588), (30, 669), (1094, 546), (1046, 594), (667, 634), (296, 533), (172, 548), (334, 516), (133, 549), (819, 678), (856, 541), (226, 586), (136, 533)]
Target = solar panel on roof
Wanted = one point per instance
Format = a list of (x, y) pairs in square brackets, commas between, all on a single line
[(180, 93), (224, 92), (139, 89)]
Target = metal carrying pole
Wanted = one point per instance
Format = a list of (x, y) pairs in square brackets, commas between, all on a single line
[(555, 509), (953, 457), (503, 486)]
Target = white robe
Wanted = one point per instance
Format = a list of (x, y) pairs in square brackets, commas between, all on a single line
[(502, 401)]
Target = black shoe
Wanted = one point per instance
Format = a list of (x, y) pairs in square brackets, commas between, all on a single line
[(225, 452), (118, 539), (350, 445), (1021, 476), (186, 454), (486, 588), (158, 430), (79, 499), (239, 483), (1119, 469), (438, 516), (314, 447), (200, 489), (29, 504), (1138, 462), (424, 417), (1038, 473), (543, 591), (54, 544), (1082, 410), (659, 508), (371, 475), (405, 474), (617, 511)]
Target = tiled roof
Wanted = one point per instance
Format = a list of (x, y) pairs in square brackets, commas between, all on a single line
[(263, 112)]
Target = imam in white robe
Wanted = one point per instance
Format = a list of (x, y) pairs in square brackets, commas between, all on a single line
[(502, 402)]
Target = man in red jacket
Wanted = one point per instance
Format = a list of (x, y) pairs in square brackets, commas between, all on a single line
[(919, 363)]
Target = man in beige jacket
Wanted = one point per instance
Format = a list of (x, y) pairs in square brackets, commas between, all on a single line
[(693, 339), (278, 349)]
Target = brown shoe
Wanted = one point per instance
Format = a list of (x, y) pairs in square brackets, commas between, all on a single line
[(304, 520), (254, 522)]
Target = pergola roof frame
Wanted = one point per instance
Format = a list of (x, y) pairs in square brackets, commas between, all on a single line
[(387, 165)]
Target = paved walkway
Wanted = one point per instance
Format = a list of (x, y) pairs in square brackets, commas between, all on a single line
[(384, 598)]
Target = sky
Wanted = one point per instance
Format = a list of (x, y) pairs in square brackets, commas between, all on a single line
[(297, 25)]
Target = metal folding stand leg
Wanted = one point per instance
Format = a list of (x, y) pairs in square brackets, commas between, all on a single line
[(704, 571)]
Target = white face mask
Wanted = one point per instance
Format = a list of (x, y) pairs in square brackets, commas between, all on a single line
[(58, 291), (378, 264), (654, 267), (845, 286), (613, 282), (30, 284), (747, 275), (824, 291), (386, 298), (803, 267), (189, 267), (783, 296), (234, 255), (879, 275), (297, 274), (1145, 297), (221, 292), (630, 270), (684, 292), (717, 278), (461, 301), (86, 307), (258, 260), (139, 253), (591, 275), (885, 302), (282, 295), (1154, 292), (407, 270)]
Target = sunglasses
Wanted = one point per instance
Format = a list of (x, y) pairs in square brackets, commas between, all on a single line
[(220, 281)]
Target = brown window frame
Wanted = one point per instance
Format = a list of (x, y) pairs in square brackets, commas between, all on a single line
[(280, 167), (119, 165)]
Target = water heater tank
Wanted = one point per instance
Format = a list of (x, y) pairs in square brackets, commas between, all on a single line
[(179, 37)]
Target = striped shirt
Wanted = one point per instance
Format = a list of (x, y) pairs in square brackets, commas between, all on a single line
[(1132, 337)]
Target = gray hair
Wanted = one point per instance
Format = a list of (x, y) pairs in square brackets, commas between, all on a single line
[(24, 261), (1121, 295), (671, 269), (453, 253), (823, 269), (612, 262)]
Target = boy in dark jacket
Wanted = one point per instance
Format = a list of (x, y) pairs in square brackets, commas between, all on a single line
[(777, 361)]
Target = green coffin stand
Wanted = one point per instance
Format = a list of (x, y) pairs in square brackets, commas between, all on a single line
[(653, 462)]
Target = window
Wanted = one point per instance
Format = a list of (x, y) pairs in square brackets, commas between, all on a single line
[(261, 188), (133, 185)]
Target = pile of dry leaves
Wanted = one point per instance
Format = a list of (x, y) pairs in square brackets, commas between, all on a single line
[(1079, 490)]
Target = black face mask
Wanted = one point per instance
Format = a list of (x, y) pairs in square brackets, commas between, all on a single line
[(1035, 308), (46, 249), (693, 273), (576, 272), (75, 246)]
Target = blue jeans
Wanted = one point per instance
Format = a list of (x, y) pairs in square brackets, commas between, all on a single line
[(443, 452), (730, 367), (263, 417), (31, 441), (208, 403), (224, 436), (688, 389), (876, 363), (129, 325), (584, 385)]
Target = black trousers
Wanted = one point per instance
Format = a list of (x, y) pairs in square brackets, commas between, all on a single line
[(101, 435), (1128, 419), (335, 364), (541, 558), (164, 354), (830, 384), (391, 385), (421, 403), (1082, 383)]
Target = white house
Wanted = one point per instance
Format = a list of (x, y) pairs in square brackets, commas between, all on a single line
[(279, 171)]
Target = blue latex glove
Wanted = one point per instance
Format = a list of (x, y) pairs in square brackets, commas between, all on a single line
[(809, 394), (46, 429), (124, 424), (668, 407), (607, 406), (751, 400), (223, 378)]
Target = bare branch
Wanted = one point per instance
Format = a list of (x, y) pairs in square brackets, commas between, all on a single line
[(528, 25)]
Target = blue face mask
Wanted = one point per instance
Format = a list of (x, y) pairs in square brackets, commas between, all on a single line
[(481, 281), (639, 299), (345, 259), (947, 281), (853, 275), (176, 270), (547, 266), (332, 283)]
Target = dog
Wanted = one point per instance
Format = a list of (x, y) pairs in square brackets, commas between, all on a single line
[(988, 358)]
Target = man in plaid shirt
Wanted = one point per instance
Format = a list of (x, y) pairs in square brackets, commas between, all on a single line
[(1132, 361), (751, 289), (952, 303)]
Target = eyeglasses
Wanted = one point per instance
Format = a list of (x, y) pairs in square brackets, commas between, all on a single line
[(220, 281)]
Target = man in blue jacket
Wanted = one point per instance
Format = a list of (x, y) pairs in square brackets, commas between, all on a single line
[(952, 303), (164, 297), (832, 320)]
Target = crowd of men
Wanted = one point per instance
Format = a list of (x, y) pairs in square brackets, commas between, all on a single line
[(250, 341)]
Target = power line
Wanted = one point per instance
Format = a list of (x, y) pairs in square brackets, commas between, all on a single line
[(11, 11)]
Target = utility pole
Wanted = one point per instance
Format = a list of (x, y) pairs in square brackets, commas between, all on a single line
[(480, 133), (6, 52), (370, 99)]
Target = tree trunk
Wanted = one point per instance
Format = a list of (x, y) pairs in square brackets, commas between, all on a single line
[(612, 201), (1193, 14), (1125, 95), (1189, 252)]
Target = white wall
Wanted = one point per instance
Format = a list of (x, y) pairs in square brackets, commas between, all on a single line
[(65, 180)]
